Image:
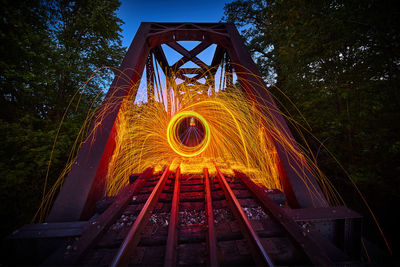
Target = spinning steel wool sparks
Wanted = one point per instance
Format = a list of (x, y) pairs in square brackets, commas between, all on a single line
[(187, 121), (229, 130), (188, 141)]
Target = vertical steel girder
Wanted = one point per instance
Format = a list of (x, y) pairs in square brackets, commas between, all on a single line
[(296, 188), (150, 78), (85, 184)]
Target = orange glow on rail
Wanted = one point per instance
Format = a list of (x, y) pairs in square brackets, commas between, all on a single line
[(237, 140)]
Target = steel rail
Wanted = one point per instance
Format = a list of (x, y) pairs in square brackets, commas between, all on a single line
[(303, 240), (132, 239), (211, 236), (260, 255), (100, 225), (172, 240)]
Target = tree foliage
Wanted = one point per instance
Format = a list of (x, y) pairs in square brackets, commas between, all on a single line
[(48, 50), (339, 62)]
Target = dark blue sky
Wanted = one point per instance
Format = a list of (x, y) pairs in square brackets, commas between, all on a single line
[(133, 12)]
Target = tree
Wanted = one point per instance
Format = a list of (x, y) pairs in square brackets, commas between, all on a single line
[(48, 50), (339, 62)]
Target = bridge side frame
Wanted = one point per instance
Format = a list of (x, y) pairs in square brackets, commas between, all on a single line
[(85, 184)]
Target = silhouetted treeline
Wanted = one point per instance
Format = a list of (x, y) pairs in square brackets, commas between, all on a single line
[(339, 62), (48, 50)]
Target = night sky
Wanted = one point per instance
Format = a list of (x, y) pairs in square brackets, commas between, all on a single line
[(133, 12)]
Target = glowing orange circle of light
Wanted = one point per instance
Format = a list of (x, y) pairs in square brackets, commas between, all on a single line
[(174, 140)]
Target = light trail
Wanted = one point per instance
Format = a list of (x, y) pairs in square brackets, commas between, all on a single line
[(237, 140), (148, 136), (180, 145)]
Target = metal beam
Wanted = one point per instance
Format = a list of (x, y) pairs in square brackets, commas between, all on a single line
[(100, 225), (162, 59), (172, 240), (211, 235), (300, 186), (259, 253), (133, 237), (85, 183), (301, 238)]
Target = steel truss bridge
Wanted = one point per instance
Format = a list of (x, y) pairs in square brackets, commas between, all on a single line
[(170, 218)]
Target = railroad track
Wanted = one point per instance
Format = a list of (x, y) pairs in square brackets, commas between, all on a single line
[(172, 219)]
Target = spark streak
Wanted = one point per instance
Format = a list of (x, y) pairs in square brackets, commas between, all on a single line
[(178, 144)]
